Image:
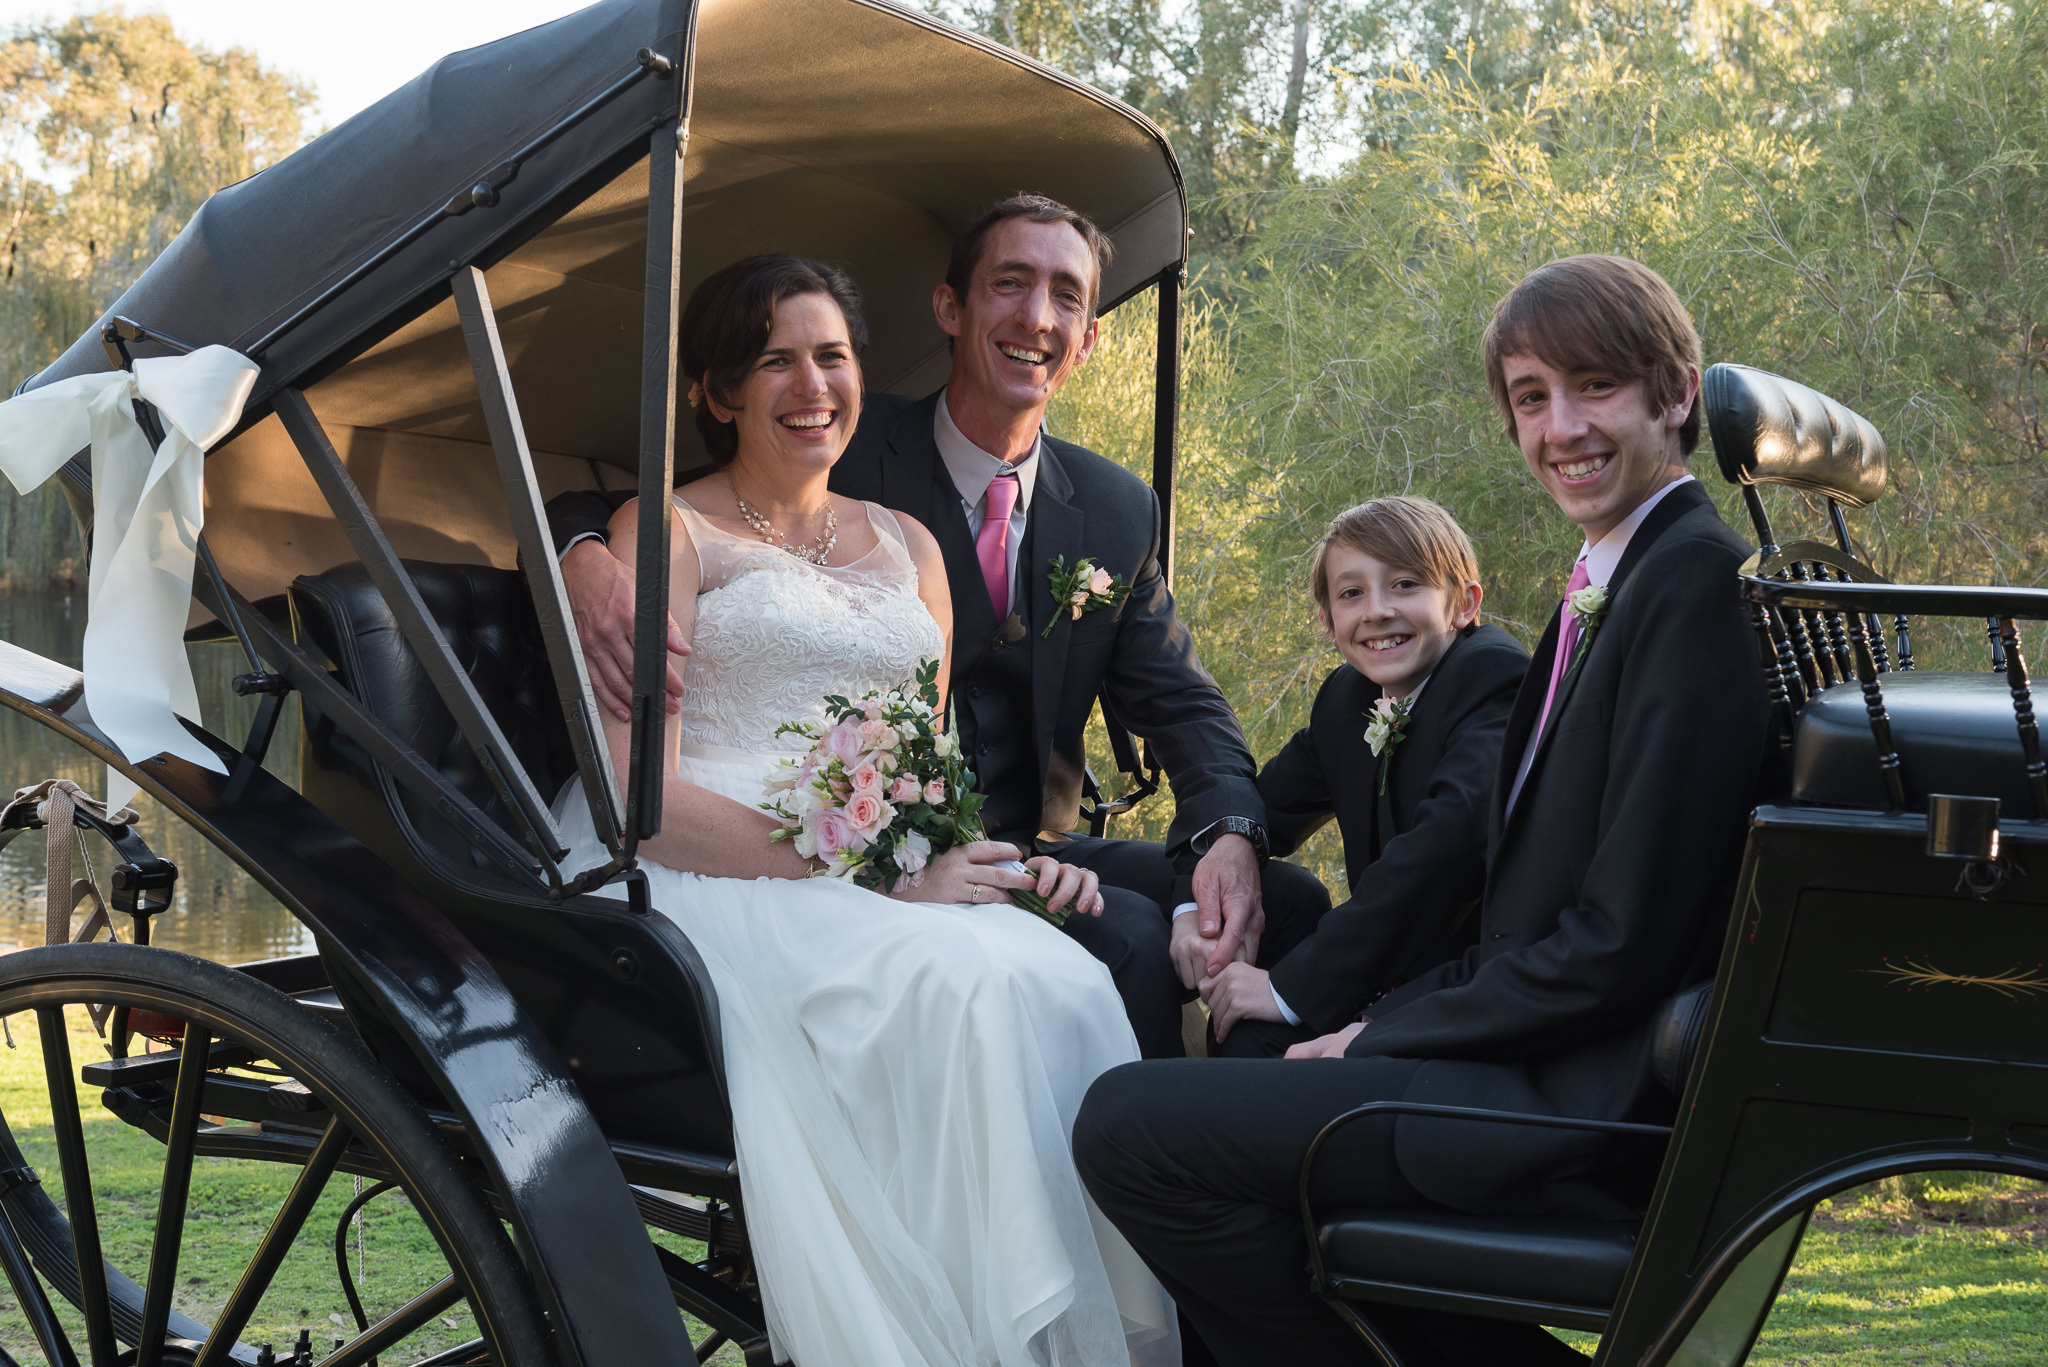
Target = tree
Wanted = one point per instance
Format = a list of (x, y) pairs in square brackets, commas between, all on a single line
[(112, 131)]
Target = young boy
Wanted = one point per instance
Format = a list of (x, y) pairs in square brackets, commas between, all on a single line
[(1401, 748)]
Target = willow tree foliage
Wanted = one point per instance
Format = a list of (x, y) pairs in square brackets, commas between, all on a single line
[(1854, 195), (112, 131)]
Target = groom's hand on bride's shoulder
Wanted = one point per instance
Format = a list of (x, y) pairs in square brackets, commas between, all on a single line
[(600, 590)]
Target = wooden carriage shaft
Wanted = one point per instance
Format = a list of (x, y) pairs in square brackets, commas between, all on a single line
[(543, 573), (479, 728)]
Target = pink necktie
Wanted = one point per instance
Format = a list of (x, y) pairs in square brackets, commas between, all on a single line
[(992, 546), (1567, 640)]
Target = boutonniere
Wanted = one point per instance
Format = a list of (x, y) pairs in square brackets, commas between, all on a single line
[(1085, 588), (1387, 729), (1589, 606)]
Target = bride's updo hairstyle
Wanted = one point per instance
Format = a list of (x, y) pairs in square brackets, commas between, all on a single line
[(725, 329)]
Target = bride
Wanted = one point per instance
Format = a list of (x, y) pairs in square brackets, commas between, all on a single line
[(904, 1070)]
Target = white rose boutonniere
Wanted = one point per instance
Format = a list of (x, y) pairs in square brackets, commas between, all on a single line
[(1085, 588), (1589, 605), (1387, 728)]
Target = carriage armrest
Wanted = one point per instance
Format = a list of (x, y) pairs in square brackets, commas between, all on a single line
[(1319, 1278), (1925, 600)]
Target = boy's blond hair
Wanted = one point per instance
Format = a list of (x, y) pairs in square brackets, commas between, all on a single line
[(1411, 534)]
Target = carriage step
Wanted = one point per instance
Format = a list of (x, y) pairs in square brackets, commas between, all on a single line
[(162, 1067)]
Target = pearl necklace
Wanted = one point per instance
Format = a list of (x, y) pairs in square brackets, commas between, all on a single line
[(815, 553)]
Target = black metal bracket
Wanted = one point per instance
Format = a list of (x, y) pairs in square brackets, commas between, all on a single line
[(14, 1178)]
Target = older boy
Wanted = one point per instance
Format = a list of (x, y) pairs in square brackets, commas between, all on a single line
[(1630, 761)]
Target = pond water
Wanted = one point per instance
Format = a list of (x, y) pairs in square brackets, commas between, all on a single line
[(219, 912)]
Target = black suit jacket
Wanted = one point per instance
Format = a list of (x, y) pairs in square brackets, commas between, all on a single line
[(1137, 655), (1608, 886), (1415, 854)]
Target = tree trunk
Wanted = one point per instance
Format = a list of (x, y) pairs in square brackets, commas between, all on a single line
[(1297, 71)]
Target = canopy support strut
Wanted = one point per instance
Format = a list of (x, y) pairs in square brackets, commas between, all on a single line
[(1166, 412), (536, 552), (658, 402), (479, 728)]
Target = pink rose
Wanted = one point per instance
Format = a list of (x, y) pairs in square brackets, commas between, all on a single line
[(1099, 582), (842, 742), (872, 709), (832, 831), (906, 789), (935, 791), (865, 777), (878, 735), (868, 813)]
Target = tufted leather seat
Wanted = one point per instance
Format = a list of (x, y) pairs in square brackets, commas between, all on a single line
[(1955, 733), (488, 619)]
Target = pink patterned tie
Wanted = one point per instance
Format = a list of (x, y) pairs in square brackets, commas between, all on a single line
[(992, 546), (1567, 640)]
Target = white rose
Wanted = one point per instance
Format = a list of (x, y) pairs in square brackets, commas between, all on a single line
[(914, 853)]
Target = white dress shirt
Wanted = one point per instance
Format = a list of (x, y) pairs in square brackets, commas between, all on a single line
[(973, 470), (1601, 561)]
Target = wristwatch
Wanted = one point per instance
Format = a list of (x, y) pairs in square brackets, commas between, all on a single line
[(1232, 825)]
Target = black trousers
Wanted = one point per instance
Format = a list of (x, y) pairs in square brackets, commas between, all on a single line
[(1132, 934), (1197, 1162)]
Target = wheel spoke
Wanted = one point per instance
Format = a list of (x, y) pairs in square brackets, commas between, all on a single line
[(395, 1325), (71, 1161), (277, 1242), (176, 1186), (29, 1294)]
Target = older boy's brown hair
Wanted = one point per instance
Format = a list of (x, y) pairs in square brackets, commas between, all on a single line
[(1603, 313), (1405, 533)]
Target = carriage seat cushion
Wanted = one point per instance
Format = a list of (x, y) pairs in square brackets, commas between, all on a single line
[(1554, 1261), (487, 618), (1955, 733)]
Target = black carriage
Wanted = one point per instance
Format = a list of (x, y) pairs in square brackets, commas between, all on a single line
[(463, 301)]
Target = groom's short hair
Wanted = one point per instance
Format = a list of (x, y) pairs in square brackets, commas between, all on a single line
[(1598, 313), (1039, 209)]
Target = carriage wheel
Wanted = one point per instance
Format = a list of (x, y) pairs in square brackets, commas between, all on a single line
[(261, 1121)]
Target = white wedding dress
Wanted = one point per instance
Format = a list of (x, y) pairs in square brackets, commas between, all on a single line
[(904, 1076)]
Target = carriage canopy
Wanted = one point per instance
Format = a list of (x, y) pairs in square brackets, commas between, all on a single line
[(857, 131)]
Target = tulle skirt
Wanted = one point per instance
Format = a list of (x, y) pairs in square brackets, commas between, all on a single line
[(904, 1079)]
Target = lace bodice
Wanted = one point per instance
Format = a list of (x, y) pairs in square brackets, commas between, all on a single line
[(775, 634)]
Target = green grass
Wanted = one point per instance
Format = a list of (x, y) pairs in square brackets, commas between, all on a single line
[(1931, 1268), (231, 1204)]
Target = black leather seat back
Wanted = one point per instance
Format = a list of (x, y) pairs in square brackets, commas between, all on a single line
[(1771, 430), (487, 617)]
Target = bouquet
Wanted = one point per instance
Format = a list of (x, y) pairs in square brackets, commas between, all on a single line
[(881, 791)]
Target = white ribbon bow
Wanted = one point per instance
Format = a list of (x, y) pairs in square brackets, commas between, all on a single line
[(147, 512)]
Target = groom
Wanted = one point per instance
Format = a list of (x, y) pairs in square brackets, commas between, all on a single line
[(1618, 814), (1007, 502)]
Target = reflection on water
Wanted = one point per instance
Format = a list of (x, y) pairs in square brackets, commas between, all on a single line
[(219, 912)]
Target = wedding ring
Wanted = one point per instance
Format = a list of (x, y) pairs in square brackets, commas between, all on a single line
[(974, 892)]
